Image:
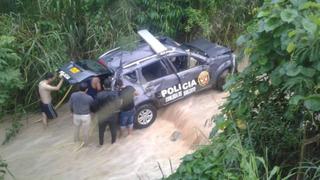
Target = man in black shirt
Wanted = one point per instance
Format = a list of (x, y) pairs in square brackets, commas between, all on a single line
[(127, 108), (107, 106)]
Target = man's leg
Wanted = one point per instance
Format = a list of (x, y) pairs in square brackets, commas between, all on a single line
[(130, 121), (77, 123), (113, 130), (123, 123), (86, 119), (44, 120), (102, 128)]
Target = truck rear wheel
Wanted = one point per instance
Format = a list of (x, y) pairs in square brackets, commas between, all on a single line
[(145, 116), (222, 79)]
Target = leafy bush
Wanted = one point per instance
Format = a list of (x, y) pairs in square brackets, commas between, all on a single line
[(10, 76), (277, 95), (4, 169), (275, 101), (225, 158), (221, 21)]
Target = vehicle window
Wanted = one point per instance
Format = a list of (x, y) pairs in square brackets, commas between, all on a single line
[(92, 66), (193, 62), (154, 71), (132, 76), (182, 63)]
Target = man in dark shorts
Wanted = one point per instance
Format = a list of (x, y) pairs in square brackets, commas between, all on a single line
[(94, 86), (127, 109), (47, 109), (80, 106), (107, 106)]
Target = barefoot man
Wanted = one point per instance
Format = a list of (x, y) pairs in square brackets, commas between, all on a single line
[(47, 109)]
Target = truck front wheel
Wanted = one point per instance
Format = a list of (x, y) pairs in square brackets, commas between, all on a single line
[(222, 79), (145, 116)]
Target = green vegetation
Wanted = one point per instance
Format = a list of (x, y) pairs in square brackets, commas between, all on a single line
[(274, 104), (39, 36), (4, 169), (270, 121), (42, 35)]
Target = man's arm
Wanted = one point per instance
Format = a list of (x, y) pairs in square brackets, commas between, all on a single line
[(53, 88)]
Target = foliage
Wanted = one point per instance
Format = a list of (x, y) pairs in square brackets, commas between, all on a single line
[(275, 101), (4, 169), (226, 158), (277, 95), (16, 125), (10, 76), (219, 20), (52, 32)]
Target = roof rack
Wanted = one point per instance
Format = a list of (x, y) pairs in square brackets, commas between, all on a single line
[(110, 51)]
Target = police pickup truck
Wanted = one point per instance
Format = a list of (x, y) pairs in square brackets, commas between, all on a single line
[(161, 70)]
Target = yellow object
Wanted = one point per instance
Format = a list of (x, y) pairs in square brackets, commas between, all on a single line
[(241, 124), (74, 70), (64, 97)]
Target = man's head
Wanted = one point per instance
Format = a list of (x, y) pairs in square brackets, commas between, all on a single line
[(83, 86), (107, 83), (49, 76)]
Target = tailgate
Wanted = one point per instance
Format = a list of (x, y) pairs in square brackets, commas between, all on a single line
[(74, 74), (78, 71)]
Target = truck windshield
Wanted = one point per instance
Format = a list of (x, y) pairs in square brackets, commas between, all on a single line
[(93, 66)]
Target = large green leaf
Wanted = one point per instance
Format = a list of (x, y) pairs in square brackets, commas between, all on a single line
[(312, 102), (317, 66), (271, 24), (291, 46), (309, 26), (292, 69), (289, 15), (309, 72), (294, 100)]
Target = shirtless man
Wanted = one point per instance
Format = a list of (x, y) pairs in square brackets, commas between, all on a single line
[(94, 86), (47, 109)]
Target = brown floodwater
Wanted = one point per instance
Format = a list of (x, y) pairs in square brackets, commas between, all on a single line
[(38, 153)]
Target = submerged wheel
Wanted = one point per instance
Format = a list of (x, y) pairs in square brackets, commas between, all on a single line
[(145, 116), (222, 79)]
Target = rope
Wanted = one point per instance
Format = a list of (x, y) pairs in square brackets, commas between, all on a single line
[(64, 97)]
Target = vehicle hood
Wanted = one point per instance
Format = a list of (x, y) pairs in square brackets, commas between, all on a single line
[(77, 71), (210, 49)]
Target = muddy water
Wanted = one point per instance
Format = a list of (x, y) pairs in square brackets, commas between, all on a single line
[(51, 154)]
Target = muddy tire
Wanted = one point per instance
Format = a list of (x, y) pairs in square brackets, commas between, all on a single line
[(145, 116), (222, 79)]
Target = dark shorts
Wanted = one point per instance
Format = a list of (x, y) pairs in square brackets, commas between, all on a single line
[(48, 109), (126, 118)]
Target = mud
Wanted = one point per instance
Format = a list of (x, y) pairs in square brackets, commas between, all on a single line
[(38, 153)]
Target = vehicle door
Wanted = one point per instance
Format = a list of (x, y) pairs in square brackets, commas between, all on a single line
[(160, 83), (193, 72)]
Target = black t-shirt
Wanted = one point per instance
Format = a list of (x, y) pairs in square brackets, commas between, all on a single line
[(127, 97), (107, 100)]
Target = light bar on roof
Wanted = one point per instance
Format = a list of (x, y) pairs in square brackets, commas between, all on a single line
[(153, 42)]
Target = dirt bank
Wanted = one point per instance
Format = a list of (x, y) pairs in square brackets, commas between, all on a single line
[(51, 154)]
